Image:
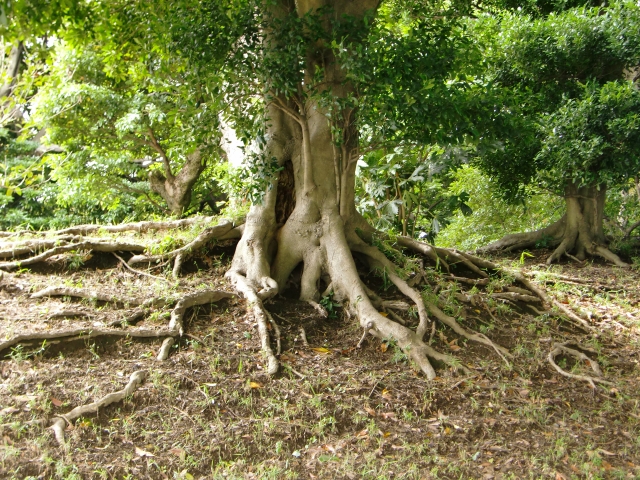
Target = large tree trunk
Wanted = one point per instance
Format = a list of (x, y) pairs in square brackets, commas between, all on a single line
[(313, 221), (578, 233)]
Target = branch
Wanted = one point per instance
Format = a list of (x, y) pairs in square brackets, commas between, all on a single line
[(165, 160)]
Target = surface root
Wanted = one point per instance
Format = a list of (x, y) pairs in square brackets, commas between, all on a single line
[(58, 425), (561, 348)]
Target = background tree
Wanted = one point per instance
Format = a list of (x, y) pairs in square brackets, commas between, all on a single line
[(570, 117)]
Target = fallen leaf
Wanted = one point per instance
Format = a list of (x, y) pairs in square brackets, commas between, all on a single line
[(575, 469), (56, 402), (9, 410), (143, 453), (560, 476), (322, 350), (255, 385), (524, 393), (384, 314), (362, 433), (384, 347), (607, 466), (370, 411)]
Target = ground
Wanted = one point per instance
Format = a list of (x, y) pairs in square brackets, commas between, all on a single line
[(335, 410)]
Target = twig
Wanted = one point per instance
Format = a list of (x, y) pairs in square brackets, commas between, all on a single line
[(125, 265), (376, 384)]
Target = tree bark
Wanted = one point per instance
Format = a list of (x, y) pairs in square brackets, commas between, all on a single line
[(318, 229), (176, 189)]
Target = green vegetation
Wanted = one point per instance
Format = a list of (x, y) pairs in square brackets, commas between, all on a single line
[(237, 235)]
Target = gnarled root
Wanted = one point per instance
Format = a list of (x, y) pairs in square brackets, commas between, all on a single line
[(59, 423), (182, 253), (261, 316), (124, 227), (96, 245), (561, 348), (175, 324)]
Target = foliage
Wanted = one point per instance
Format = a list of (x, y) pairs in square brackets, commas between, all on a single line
[(550, 70), (492, 216), (404, 190)]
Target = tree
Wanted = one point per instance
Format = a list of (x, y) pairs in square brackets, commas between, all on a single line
[(310, 86), (573, 117), (149, 111)]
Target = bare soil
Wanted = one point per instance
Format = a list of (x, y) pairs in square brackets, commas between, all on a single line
[(334, 410)]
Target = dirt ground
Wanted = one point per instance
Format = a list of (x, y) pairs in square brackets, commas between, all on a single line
[(334, 410)]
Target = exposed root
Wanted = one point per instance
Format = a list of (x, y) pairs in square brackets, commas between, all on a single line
[(95, 245), (423, 248), (276, 330), (363, 337), (184, 252), (84, 333), (516, 297), (88, 294), (19, 249), (476, 336), (552, 301), (517, 241), (561, 348), (468, 281), (70, 314), (199, 298), (303, 337), (319, 308), (125, 227), (382, 262), (378, 260), (165, 348), (260, 314), (137, 272), (175, 324), (59, 424)]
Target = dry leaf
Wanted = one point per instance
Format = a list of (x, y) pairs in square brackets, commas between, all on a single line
[(9, 410), (611, 454), (143, 453), (370, 411), (607, 466), (524, 393), (384, 347), (384, 314), (255, 385), (322, 350), (575, 469), (56, 402)]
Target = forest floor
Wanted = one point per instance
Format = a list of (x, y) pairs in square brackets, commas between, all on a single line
[(334, 410)]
